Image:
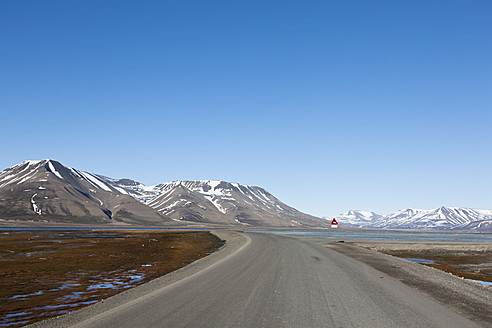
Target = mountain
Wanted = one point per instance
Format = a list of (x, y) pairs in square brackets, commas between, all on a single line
[(220, 202), (47, 191), (442, 218), (358, 218)]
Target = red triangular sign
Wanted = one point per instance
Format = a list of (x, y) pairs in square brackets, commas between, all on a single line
[(334, 222)]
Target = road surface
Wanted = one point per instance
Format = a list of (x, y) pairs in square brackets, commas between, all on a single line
[(279, 281)]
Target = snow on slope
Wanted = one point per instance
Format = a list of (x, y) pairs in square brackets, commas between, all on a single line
[(28, 170), (19, 173), (212, 201), (55, 193), (442, 218), (218, 193), (359, 218), (217, 201)]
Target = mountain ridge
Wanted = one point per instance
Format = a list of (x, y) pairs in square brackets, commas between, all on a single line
[(442, 219), (71, 194), (224, 202), (54, 192)]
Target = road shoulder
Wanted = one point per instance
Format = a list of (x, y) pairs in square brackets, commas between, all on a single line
[(465, 297)]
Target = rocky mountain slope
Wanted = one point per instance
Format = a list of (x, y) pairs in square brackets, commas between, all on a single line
[(48, 191), (442, 218), (218, 202)]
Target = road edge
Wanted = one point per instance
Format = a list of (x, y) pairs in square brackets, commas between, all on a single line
[(470, 299)]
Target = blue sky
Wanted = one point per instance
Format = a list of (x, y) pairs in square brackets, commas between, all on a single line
[(329, 105)]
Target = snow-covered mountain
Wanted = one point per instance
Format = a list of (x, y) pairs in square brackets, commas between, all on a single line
[(47, 191), (442, 218), (219, 202), (358, 218)]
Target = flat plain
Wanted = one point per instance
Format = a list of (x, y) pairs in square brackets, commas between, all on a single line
[(261, 280), (49, 273)]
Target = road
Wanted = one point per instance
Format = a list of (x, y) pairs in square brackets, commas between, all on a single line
[(279, 281)]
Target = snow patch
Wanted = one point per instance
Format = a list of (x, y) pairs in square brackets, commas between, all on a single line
[(100, 201), (121, 190), (35, 207), (214, 201), (243, 223), (95, 181), (53, 170)]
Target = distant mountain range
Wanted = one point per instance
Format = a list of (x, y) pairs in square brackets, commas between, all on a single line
[(216, 201), (47, 191), (443, 218)]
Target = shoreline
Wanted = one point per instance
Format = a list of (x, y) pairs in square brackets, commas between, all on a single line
[(6, 224)]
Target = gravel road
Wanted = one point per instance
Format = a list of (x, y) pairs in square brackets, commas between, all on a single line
[(263, 280)]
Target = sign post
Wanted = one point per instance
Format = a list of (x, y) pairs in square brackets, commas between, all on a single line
[(334, 223)]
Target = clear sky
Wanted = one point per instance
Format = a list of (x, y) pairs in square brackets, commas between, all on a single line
[(329, 105)]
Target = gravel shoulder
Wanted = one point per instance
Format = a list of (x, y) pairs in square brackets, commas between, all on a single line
[(234, 242), (468, 298)]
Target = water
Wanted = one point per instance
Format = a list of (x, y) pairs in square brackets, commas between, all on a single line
[(419, 261), (386, 235), (66, 303), (26, 296), (485, 283), (125, 281)]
